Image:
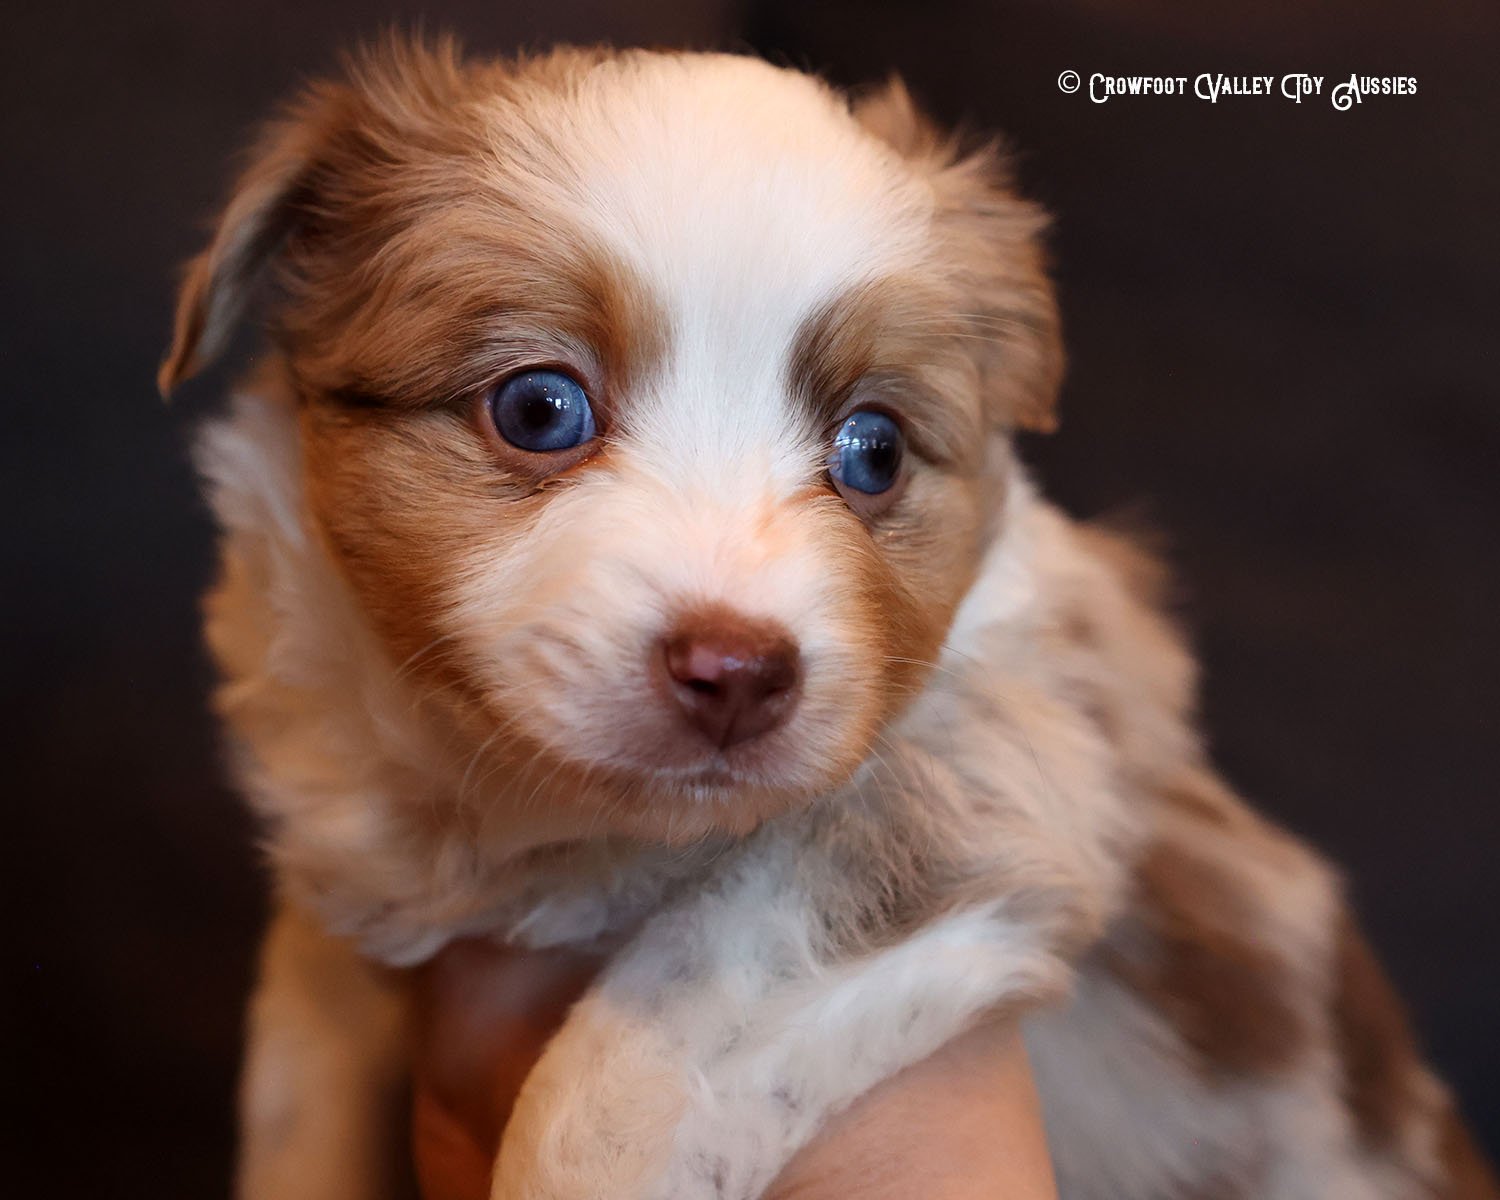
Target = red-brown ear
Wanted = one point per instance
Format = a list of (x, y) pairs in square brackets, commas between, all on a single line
[(336, 129), (218, 283), (994, 245), (889, 112)]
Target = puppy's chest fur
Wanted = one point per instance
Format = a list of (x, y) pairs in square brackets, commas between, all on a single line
[(1214, 1028)]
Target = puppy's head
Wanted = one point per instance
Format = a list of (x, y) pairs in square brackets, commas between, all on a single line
[(653, 406)]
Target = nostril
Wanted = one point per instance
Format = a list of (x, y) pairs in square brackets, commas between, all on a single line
[(777, 671)]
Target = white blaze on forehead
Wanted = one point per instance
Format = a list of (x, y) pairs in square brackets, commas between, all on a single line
[(744, 197)]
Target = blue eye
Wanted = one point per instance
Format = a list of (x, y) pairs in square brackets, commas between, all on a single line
[(867, 452), (542, 411)]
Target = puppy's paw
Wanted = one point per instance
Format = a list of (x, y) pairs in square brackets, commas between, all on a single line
[(733, 1144), (597, 1116)]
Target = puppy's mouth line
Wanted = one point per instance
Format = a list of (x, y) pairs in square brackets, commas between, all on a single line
[(713, 779), (715, 772)]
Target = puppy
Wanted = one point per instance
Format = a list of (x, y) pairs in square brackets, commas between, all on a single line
[(623, 546)]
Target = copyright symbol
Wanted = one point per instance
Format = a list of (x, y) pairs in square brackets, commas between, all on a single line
[(1069, 81)]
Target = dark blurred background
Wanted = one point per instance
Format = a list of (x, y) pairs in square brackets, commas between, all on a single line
[(1282, 321)]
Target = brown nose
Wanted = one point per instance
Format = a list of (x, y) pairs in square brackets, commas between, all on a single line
[(733, 678)]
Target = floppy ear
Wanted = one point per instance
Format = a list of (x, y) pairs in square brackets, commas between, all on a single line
[(218, 283), (889, 112), (993, 244), (336, 130)]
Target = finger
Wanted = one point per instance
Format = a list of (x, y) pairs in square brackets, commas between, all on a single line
[(963, 1125), (450, 1164), (484, 1014)]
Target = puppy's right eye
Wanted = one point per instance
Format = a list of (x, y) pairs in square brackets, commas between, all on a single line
[(867, 452), (541, 411)]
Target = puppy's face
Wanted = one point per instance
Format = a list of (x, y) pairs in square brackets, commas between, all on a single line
[(652, 405)]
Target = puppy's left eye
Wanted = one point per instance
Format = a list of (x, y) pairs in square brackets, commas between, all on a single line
[(542, 411), (867, 453)]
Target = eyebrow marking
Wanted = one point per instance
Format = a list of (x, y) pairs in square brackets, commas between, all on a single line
[(440, 325), (893, 341), (834, 348)]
